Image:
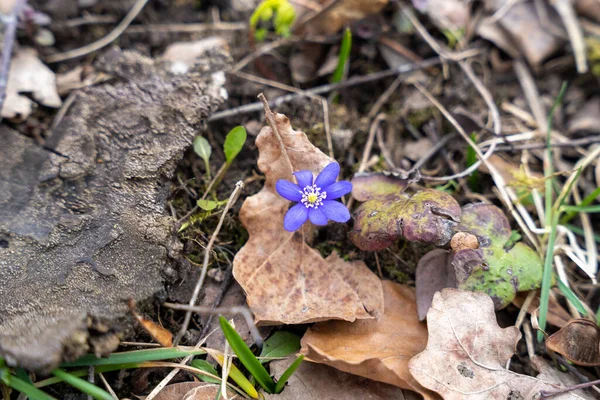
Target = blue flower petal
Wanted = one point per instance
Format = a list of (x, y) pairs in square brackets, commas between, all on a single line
[(305, 178), (295, 217), (335, 211), (337, 190), (288, 190), (317, 216), (328, 175)]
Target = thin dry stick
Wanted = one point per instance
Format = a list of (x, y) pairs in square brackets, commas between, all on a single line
[(353, 81), (385, 97), (107, 386), (531, 93), (105, 41), (10, 22), (187, 28), (569, 18), (293, 89), (524, 308), (273, 124), (232, 199), (259, 52), (243, 311)]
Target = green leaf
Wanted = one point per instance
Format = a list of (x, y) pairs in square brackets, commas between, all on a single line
[(572, 297), (246, 357), (582, 209), (288, 373), (494, 269), (136, 356), (427, 216), (205, 366), (203, 149), (208, 205), (83, 385), (280, 344), (23, 386), (234, 142), (343, 57)]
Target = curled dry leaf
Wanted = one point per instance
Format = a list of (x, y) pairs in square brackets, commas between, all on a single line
[(378, 350), (578, 341), (388, 214), (318, 382), (467, 352), (434, 273), (28, 75), (158, 333), (492, 268), (285, 280)]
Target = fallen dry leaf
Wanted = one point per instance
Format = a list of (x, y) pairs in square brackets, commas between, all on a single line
[(341, 13), (578, 341), (434, 273), (319, 382), (28, 75), (467, 352), (520, 31), (378, 350), (190, 391), (548, 374), (158, 333), (285, 280)]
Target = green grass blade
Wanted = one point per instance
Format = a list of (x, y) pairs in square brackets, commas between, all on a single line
[(587, 200), (473, 179), (582, 209), (343, 57), (280, 344), (246, 357), (207, 367), (135, 356), (234, 142), (547, 279), (23, 386), (572, 297), (287, 373), (82, 385)]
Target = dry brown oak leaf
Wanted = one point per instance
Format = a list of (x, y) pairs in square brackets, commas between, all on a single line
[(285, 280), (467, 353), (378, 350)]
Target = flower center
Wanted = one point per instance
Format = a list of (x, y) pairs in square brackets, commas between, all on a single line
[(312, 196)]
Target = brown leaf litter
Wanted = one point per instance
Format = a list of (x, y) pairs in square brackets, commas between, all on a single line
[(467, 353), (378, 350), (285, 280), (578, 341)]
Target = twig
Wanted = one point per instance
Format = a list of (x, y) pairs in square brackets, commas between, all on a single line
[(105, 41), (259, 52), (187, 28), (243, 311), (10, 21), (569, 19), (107, 386), (353, 81), (293, 89), (234, 195), (384, 97), (273, 124), (545, 394)]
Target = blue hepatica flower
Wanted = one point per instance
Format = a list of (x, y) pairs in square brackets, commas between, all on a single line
[(316, 200)]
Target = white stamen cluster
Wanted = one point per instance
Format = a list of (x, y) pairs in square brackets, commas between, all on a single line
[(312, 196)]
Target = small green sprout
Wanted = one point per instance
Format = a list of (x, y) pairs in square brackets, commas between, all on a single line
[(251, 362), (280, 11)]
